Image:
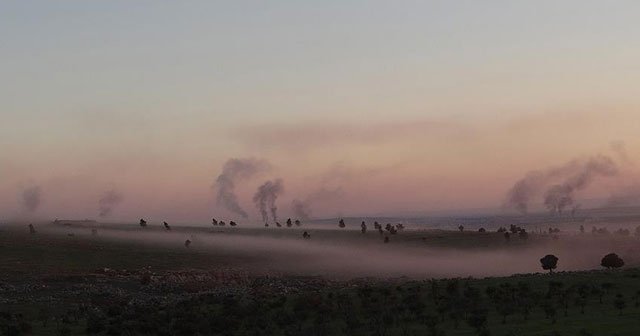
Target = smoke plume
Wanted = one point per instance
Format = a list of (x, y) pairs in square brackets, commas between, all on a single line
[(233, 171), (32, 198), (108, 201), (303, 208), (560, 196), (265, 199), (573, 176)]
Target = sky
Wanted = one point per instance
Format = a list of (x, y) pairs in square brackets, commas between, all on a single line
[(403, 107)]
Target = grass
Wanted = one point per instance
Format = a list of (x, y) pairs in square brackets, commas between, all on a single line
[(60, 268)]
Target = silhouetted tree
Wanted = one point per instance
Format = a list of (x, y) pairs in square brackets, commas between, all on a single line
[(278, 224), (214, 222), (166, 226), (306, 235), (549, 262), (612, 260), (461, 228), (289, 223), (232, 223), (222, 223), (143, 223), (522, 234), (341, 223), (623, 232), (298, 223)]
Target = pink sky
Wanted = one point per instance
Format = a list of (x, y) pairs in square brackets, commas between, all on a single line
[(407, 108)]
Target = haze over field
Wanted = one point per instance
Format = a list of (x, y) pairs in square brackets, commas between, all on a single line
[(119, 110)]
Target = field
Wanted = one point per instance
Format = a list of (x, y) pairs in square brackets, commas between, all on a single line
[(127, 280)]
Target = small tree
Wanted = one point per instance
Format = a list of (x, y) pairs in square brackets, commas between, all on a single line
[(620, 303), (549, 262), (341, 224), (461, 228), (612, 260)]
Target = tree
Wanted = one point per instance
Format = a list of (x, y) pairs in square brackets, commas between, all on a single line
[(143, 223), (549, 262), (289, 222), (461, 228), (341, 224), (612, 260), (619, 303)]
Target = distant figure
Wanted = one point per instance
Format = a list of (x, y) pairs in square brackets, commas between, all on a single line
[(143, 223), (363, 227), (232, 223), (298, 222), (341, 224), (214, 222), (32, 230), (187, 243), (166, 226), (377, 225), (306, 235), (94, 232), (386, 239), (222, 223), (461, 228), (278, 224), (289, 223)]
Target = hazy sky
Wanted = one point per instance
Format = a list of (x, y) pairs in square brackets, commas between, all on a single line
[(404, 105)]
